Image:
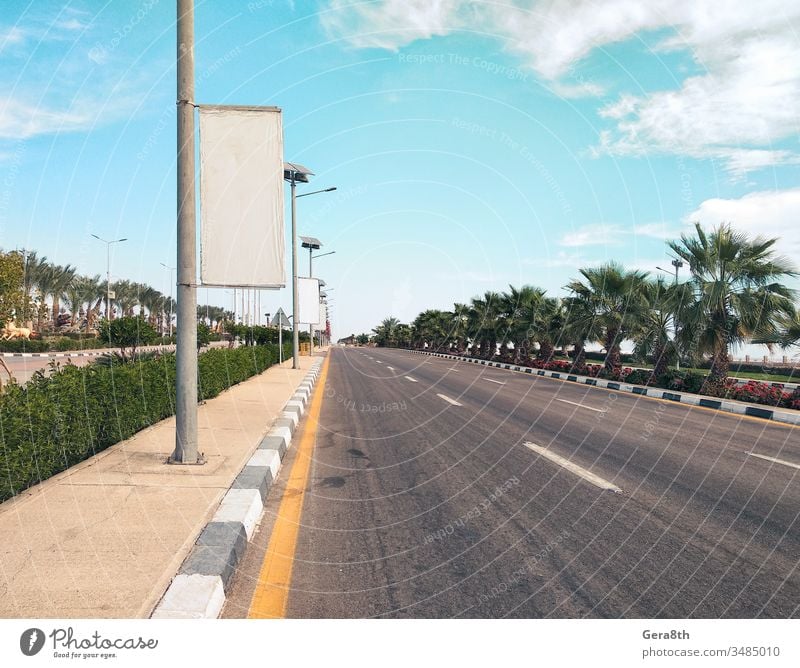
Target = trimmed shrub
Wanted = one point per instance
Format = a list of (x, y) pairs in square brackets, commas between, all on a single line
[(640, 377), (21, 346), (53, 422)]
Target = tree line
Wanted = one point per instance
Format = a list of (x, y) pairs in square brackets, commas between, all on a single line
[(735, 293), (57, 298)]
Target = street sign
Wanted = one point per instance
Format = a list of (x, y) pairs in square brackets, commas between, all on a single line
[(280, 320)]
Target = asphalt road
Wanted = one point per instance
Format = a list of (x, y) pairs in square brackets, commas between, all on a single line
[(429, 496)]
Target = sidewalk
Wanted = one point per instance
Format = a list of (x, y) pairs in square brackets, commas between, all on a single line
[(104, 538)]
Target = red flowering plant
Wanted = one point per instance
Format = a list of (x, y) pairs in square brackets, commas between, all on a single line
[(755, 392)]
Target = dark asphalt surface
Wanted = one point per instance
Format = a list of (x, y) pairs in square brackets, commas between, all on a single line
[(420, 508)]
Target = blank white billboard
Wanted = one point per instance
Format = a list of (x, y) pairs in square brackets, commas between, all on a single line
[(241, 197), (308, 304)]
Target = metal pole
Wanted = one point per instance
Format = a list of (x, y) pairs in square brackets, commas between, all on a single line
[(186, 375), (108, 281), (311, 327), (171, 286), (675, 323), (295, 296), (280, 343)]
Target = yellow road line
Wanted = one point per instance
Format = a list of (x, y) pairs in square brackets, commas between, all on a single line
[(272, 590)]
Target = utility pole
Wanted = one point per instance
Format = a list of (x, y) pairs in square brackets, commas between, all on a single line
[(186, 376), (295, 293), (108, 271)]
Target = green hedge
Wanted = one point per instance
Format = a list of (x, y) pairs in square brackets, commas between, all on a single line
[(56, 421), (55, 344)]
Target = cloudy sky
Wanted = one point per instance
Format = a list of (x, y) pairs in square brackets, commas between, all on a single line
[(474, 144)]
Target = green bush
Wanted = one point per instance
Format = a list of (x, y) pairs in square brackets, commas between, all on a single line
[(56, 421), (21, 346), (127, 334), (686, 381), (640, 377)]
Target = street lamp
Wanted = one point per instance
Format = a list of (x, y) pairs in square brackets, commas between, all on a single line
[(171, 282), (108, 271), (677, 264), (313, 244), (295, 173)]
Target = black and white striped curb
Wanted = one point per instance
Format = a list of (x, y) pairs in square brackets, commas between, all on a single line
[(73, 354), (737, 407), (198, 590), (98, 353)]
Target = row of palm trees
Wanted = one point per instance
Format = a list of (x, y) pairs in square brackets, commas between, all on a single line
[(50, 289), (734, 294)]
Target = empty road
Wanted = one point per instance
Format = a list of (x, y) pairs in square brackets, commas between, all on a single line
[(445, 489)]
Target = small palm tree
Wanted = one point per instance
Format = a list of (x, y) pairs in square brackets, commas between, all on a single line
[(580, 325), (64, 275), (652, 338), (736, 294), (485, 324), (386, 332), (616, 298)]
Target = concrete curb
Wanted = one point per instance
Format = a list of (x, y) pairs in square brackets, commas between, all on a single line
[(737, 407), (199, 589), (97, 353)]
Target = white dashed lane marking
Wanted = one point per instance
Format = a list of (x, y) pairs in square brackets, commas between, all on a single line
[(579, 471), (588, 408), (773, 459)]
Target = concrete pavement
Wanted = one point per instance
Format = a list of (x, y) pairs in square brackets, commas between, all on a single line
[(104, 538)]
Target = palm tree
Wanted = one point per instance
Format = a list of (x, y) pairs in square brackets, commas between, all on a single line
[(580, 325), (125, 296), (548, 327), (33, 268), (652, 339), (64, 275), (75, 297), (736, 294), (386, 332), (484, 323), (616, 299), (520, 306), (47, 280), (458, 327)]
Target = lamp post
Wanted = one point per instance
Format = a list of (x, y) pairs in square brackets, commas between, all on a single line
[(171, 282), (294, 174), (108, 270), (677, 264), (186, 446), (310, 275)]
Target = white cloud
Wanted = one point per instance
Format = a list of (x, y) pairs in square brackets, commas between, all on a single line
[(20, 120), (560, 259), (767, 213), (72, 24), (11, 36), (600, 234), (580, 89), (392, 24), (656, 230), (746, 99)]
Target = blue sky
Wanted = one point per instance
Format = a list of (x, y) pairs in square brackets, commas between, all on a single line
[(473, 144)]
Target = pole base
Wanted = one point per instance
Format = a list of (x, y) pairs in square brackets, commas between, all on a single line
[(201, 459)]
